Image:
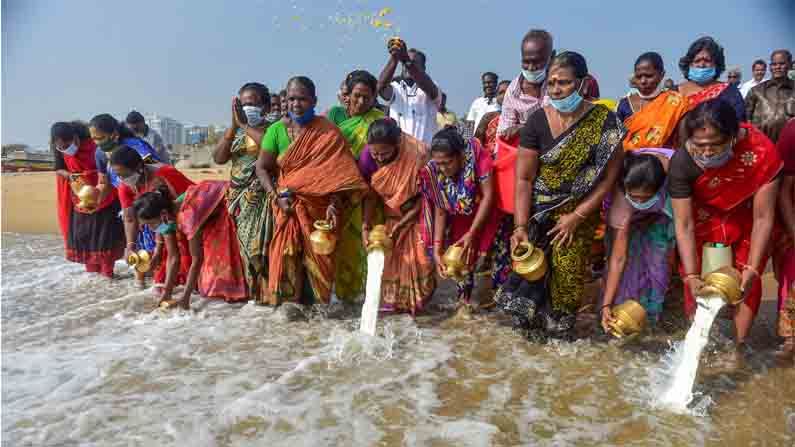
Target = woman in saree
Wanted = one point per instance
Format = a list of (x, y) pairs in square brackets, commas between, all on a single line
[(641, 235), (109, 134), (784, 251), (136, 178), (701, 68), (307, 165), (569, 159), (391, 164), (723, 187), (249, 204), (458, 206), (92, 236), (351, 257), (650, 114), (199, 216)]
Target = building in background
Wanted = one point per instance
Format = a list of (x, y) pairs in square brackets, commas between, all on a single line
[(170, 129), (196, 134)]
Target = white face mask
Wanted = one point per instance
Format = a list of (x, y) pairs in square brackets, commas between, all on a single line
[(253, 115)]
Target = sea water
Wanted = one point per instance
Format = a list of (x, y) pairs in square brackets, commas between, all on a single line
[(87, 361), (372, 301)]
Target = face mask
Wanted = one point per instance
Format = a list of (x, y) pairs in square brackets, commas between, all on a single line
[(567, 104), (107, 146), (305, 118), (701, 75), (132, 180), (253, 115), (791, 75), (654, 94), (642, 206), (71, 150), (714, 161), (535, 76)]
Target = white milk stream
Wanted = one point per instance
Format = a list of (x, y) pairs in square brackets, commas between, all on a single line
[(680, 391), (372, 301)]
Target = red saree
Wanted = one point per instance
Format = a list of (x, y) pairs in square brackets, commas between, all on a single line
[(96, 237), (317, 164), (177, 183), (711, 92), (723, 204), (408, 279), (204, 209)]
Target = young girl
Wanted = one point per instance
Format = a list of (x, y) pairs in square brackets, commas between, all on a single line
[(199, 215)]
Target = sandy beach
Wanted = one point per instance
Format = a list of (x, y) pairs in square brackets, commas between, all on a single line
[(28, 200)]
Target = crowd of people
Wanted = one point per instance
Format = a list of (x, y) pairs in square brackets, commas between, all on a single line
[(632, 188)]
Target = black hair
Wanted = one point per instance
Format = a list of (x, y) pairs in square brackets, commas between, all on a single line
[(653, 58), (642, 171), (108, 124), (539, 34), (785, 52), (448, 141), (489, 74), (361, 77), (712, 47), (573, 60), (134, 117), (126, 156), (260, 89), (384, 131), (304, 82), (716, 113), (504, 81), (69, 130), (759, 62), (150, 204), (419, 54), (283, 92)]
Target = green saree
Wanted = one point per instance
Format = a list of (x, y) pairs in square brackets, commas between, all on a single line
[(351, 256)]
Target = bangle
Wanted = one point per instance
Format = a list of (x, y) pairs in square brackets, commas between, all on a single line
[(133, 244), (691, 275), (579, 214)]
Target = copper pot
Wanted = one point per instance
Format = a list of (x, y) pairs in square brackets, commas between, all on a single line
[(323, 239), (454, 262), (140, 261), (529, 262), (88, 197), (724, 282), (377, 239), (629, 318)]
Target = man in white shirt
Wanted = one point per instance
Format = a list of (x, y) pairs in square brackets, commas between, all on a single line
[(759, 70), (414, 99), (486, 103)]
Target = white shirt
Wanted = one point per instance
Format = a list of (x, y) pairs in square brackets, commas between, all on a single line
[(480, 107), (414, 111), (748, 85)]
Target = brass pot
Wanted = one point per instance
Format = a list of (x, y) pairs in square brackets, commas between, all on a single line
[(629, 318), (378, 239), (714, 257), (454, 263), (88, 197), (140, 261), (323, 239), (724, 282), (529, 262)]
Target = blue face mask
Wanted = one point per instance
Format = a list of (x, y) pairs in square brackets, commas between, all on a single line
[(305, 118), (71, 150), (701, 75), (714, 161), (567, 104), (642, 206), (535, 76)]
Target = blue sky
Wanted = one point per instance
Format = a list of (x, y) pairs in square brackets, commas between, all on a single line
[(73, 59)]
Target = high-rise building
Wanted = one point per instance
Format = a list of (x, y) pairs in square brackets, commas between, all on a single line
[(196, 134), (170, 129)]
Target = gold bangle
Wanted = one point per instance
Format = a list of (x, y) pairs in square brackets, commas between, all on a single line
[(580, 215)]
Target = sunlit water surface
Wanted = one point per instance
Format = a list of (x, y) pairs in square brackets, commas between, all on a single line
[(89, 362)]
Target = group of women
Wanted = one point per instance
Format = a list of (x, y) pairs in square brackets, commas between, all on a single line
[(669, 169)]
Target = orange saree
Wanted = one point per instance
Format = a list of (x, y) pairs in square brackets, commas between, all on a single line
[(408, 279), (655, 124), (317, 164)]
